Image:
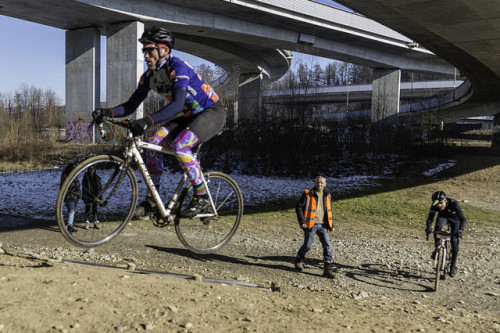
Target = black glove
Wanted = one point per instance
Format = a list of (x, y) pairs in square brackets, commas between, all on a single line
[(100, 113), (428, 231), (139, 126), (459, 234)]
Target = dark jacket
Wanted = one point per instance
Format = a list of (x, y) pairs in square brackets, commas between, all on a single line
[(91, 186), (73, 190), (453, 211)]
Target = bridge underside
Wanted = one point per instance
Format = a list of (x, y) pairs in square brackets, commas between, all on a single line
[(214, 30)]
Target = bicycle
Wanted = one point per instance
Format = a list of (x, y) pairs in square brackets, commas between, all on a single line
[(442, 257), (206, 232)]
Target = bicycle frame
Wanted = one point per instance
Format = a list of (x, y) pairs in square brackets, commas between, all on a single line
[(133, 151), (444, 239)]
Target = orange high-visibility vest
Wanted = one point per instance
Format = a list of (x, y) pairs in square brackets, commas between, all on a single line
[(310, 209)]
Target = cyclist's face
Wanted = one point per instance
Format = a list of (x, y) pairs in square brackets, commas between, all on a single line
[(441, 205), (151, 55)]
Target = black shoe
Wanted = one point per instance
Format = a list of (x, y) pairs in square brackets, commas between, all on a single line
[(453, 271), (72, 229), (196, 206), (145, 208)]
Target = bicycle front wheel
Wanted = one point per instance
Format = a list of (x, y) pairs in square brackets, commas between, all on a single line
[(213, 231), (438, 267), (108, 201)]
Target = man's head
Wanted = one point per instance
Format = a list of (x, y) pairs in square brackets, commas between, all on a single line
[(320, 183), (157, 43), (439, 200)]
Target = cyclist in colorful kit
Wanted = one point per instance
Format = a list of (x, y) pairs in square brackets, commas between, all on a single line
[(193, 115), (449, 212)]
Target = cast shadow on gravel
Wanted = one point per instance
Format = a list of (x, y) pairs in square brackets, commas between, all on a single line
[(228, 259), (378, 275), (374, 275), (11, 223)]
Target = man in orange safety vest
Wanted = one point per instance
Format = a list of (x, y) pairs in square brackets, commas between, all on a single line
[(314, 213)]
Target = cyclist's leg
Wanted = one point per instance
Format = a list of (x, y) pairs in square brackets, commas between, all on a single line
[(154, 159), (202, 128), (154, 163), (454, 241)]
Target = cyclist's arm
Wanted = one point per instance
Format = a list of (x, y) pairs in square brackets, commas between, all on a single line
[(460, 215), (133, 102), (173, 108), (430, 218)]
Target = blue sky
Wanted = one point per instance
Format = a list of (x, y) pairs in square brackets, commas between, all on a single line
[(34, 54)]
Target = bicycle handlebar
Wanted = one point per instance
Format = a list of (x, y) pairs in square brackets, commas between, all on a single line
[(125, 123)]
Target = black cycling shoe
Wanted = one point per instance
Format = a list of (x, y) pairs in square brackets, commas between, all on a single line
[(145, 208), (72, 229), (453, 271), (196, 206)]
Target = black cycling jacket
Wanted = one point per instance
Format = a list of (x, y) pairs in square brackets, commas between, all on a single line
[(453, 211)]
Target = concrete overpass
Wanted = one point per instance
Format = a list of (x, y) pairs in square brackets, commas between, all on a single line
[(465, 33), (245, 37), (355, 92)]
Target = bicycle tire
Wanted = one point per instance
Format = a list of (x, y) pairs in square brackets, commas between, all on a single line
[(438, 268), (118, 199), (206, 235)]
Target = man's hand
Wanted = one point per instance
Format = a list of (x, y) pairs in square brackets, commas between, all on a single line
[(100, 113), (459, 233), (139, 126), (303, 226), (428, 231)]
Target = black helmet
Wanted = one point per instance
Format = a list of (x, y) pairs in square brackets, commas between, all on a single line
[(437, 197), (158, 35)]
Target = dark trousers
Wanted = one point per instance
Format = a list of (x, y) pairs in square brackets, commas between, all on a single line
[(87, 211)]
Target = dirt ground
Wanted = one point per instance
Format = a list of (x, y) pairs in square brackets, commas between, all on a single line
[(144, 280)]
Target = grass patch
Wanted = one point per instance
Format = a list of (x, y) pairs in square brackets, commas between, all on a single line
[(40, 154)]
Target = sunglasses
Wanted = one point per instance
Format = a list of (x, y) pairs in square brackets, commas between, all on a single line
[(148, 50)]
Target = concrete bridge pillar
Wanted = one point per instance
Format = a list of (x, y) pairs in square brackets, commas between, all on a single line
[(124, 62), (83, 51), (250, 98), (385, 96)]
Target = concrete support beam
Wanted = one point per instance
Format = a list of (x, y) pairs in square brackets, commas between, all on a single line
[(124, 62), (250, 99), (385, 96), (82, 73)]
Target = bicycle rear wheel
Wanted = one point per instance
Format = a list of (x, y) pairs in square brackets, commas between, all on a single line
[(115, 202), (438, 267), (208, 234)]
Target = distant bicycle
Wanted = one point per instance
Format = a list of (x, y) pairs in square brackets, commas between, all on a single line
[(442, 257), (207, 232)]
